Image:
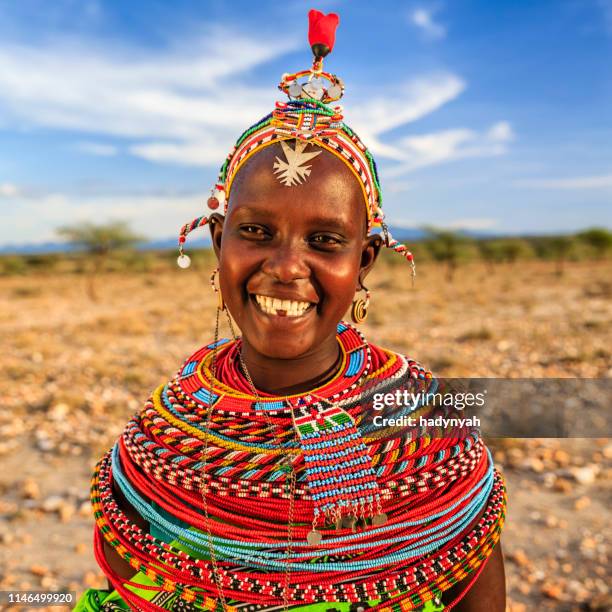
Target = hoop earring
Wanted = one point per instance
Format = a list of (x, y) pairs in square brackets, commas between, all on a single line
[(220, 302), (359, 310)]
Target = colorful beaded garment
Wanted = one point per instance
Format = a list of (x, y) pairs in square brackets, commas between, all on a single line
[(444, 501)]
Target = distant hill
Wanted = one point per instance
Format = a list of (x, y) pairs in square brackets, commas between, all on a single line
[(61, 247), (403, 234)]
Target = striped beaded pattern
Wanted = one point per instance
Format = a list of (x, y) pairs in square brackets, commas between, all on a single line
[(336, 461)]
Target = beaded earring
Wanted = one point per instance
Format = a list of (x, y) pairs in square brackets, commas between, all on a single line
[(217, 290), (359, 310)]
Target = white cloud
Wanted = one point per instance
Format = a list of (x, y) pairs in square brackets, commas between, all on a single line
[(188, 95), (409, 101), (183, 106), (423, 18), (97, 148), (501, 132), (395, 187), (473, 224), (8, 190), (448, 145), (578, 182), (207, 151), (186, 104), (34, 218)]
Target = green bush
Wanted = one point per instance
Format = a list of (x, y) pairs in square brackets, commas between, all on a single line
[(12, 264)]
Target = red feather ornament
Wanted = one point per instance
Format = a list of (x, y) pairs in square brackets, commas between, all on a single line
[(322, 32)]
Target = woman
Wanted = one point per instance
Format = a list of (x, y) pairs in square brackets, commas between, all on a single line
[(256, 479)]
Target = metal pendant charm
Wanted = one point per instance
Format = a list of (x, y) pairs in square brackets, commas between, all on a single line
[(314, 537), (347, 522), (314, 89), (334, 92), (183, 261), (295, 89), (379, 519)]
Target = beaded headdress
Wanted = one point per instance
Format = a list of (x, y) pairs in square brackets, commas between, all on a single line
[(307, 117)]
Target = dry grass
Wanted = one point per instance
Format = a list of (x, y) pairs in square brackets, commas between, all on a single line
[(73, 371)]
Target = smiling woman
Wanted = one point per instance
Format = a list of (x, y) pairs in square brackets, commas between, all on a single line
[(256, 479), (305, 244)]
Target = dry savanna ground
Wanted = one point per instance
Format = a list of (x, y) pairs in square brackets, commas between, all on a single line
[(74, 370)]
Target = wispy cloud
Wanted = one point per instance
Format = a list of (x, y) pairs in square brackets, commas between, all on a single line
[(34, 216), (208, 150), (409, 102), (473, 224), (96, 148), (412, 101), (179, 106), (396, 187), (188, 95), (185, 104), (8, 190), (423, 19), (500, 132), (448, 145), (578, 182)]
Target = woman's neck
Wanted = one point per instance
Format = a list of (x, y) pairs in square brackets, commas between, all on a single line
[(292, 376)]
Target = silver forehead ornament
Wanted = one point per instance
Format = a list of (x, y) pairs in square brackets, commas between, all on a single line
[(294, 170)]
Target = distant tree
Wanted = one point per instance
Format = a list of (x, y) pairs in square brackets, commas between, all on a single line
[(491, 253), (560, 248), (514, 249), (599, 239), (99, 241), (499, 250), (447, 246)]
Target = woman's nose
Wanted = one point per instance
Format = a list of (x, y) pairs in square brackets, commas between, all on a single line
[(286, 264)]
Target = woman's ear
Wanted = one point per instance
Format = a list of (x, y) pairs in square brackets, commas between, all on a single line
[(369, 253), (215, 223)]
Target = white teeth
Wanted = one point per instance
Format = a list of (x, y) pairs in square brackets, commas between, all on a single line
[(292, 308)]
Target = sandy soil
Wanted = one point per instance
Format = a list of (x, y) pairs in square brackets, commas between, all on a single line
[(73, 371)]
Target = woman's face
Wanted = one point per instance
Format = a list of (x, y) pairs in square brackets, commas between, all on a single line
[(290, 258)]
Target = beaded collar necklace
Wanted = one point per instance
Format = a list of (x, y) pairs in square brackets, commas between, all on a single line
[(196, 379), (234, 471)]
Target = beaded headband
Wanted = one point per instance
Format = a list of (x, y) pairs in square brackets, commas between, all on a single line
[(307, 118)]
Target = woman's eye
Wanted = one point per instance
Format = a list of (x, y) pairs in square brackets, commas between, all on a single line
[(326, 240), (253, 230)]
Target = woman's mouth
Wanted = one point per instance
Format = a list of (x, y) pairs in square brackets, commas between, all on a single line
[(283, 308)]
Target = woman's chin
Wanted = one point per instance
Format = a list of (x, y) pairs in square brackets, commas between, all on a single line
[(282, 348)]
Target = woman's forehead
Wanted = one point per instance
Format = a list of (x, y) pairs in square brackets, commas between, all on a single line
[(273, 180)]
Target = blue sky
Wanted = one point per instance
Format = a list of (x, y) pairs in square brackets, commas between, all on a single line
[(493, 116)]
